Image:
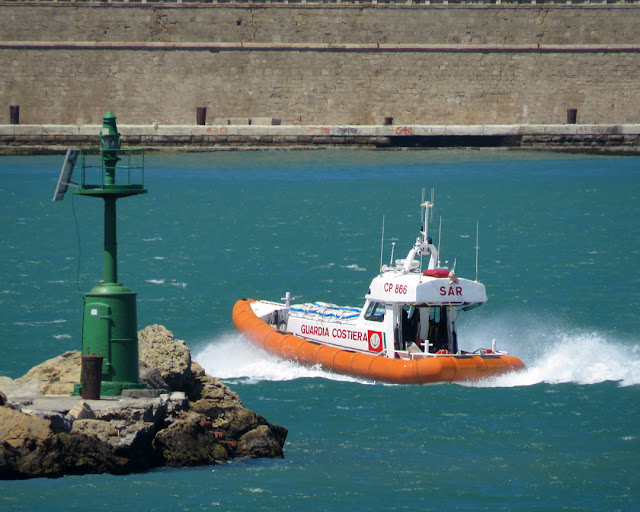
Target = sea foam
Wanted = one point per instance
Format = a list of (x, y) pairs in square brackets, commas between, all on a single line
[(558, 356), (555, 358), (232, 357)]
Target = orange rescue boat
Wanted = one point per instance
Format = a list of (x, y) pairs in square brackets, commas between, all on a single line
[(406, 332)]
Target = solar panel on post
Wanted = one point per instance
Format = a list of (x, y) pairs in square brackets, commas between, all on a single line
[(65, 174)]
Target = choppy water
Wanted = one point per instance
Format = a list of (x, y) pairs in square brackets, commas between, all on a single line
[(559, 254)]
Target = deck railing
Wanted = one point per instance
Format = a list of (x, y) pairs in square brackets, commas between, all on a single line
[(129, 168)]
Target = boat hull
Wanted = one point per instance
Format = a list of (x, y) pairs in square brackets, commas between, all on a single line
[(441, 368)]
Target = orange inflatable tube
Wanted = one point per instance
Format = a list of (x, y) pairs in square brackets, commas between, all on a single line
[(446, 368)]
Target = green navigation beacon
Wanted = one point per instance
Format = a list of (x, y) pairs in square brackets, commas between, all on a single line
[(109, 319)]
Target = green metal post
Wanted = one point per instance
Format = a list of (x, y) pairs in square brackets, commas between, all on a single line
[(110, 241)]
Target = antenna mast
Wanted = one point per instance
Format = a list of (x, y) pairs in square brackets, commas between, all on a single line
[(439, 239), (477, 247), (382, 243), (427, 215)]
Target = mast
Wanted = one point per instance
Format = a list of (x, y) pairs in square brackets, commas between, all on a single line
[(382, 244), (423, 244)]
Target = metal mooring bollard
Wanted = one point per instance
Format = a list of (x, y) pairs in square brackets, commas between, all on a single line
[(388, 121), (201, 115), (91, 377), (14, 114), (572, 115)]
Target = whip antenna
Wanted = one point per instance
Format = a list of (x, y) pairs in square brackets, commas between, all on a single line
[(477, 232), (382, 243)]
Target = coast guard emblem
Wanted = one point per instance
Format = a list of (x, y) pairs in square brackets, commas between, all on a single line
[(375, 341)]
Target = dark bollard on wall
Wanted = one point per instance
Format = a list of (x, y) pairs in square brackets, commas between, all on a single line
[(201, 115), (572, 115), (14, 114), (91, 377), (388, 121)]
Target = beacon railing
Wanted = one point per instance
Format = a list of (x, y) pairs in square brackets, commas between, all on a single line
[(129, 169)]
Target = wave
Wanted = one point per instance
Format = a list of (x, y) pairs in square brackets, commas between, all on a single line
[(355, 267), (231, 357), (172, 282), (39, 323), (557, 355), (586, 359)]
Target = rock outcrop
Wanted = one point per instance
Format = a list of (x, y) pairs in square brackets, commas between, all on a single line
[(56, 376), (165, 358), (184, 418)]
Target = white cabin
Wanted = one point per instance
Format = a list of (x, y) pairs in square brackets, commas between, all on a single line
[(408, 313)]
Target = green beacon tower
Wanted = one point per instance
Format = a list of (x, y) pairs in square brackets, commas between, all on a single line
[(109, 318)]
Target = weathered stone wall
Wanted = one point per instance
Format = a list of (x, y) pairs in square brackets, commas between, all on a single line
[(327, 64), (597, 138)]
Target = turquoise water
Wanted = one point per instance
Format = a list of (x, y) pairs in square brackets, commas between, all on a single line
[(559, 254)]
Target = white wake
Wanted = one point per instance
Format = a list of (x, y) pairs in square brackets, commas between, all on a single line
[(231, 357), (557, 355)]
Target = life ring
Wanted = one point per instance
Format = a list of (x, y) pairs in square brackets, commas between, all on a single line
[(436, 272), (442, 351)]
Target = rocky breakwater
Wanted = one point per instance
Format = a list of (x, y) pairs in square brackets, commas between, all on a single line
[(184, 418)]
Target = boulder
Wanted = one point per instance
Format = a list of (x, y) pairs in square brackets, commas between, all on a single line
[(82, 411), (263, 441), (69, 454), (30, 448), (22, 391), (158, 349), (58, 421), (8, 386), (146, 410), (56, 376), (18, 429), (187, 442), (134, 442), (99, 429), (152, 377), (212, 389), (128, 440), (254, 434)]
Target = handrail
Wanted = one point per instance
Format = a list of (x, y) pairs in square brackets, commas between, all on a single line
[(129, 169), (319, 47), (329, 3)]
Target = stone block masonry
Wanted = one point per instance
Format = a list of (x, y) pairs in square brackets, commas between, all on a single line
[(67, 63)]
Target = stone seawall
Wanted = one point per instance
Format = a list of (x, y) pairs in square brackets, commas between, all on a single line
[(67, 63), (621, 139)]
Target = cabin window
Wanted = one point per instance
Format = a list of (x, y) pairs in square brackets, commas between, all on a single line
[(439, 330), (410, 323), (375, 312)]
